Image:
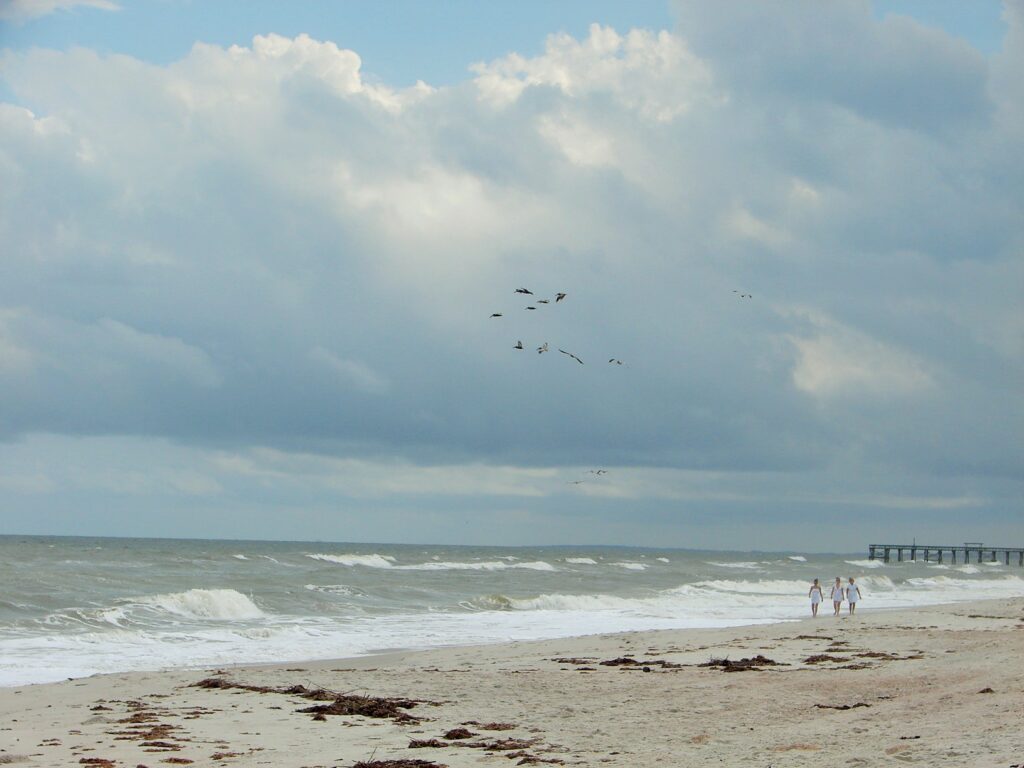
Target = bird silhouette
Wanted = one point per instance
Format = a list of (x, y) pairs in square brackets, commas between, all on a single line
[(519, 345), (531, 307), (497, 314), (524, 290), (570, 354), (559, 297), (615, 360), (598, 471), (543, 301), (542, 348)]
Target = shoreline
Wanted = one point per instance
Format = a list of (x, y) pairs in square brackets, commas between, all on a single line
[(875, 688)]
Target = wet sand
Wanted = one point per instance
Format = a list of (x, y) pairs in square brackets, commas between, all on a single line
[(928, 686)]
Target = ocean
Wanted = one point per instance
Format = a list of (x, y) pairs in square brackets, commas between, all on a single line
[(71, 607)]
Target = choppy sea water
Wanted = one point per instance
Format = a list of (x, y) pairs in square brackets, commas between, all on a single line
[(71, 607)]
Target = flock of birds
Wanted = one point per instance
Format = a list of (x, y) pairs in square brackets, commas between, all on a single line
[(544, 347), (559, 297)]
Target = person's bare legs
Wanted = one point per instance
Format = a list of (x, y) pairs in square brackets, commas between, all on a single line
[(814, 610), (835, 608)]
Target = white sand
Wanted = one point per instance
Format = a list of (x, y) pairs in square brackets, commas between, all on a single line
[(922, 702)]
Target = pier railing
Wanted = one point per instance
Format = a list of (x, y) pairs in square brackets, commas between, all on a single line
[(937, 552)]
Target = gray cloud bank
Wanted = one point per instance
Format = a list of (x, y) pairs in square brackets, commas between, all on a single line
[(255, 249)]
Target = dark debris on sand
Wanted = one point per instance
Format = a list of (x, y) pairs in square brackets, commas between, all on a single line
[(629, 662), (742, 665), (337, 703), (398, 764), (491, 726)]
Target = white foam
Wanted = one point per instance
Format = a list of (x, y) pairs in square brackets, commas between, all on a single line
[(369, 561), (240, 557), (581, 560), (798, 558), (205, 604), (663, 559), (866, 563), (632, 566)]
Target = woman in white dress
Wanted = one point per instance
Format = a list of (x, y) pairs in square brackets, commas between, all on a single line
[(816, 597), (852, 595), (837, 596)]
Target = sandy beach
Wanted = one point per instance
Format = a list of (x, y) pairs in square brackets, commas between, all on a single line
[(926, 686)]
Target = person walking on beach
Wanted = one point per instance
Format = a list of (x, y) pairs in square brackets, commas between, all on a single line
[(852, 595), (816, 597), (837, 596)]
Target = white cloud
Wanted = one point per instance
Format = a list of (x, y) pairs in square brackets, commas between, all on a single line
[(351, 372), (21, 10), (653, 73), (841, 361)]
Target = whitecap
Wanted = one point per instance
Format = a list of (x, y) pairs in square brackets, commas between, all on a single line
[(798, 558), (581, 560), (866, 563), (369, 561), (632, 566)]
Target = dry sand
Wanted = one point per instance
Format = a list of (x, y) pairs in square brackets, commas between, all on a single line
[(932, 686)]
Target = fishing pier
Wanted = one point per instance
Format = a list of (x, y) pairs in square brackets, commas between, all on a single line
[(935, 553)]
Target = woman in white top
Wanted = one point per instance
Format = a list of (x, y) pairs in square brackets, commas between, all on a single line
[(852, 595), (816, 597)]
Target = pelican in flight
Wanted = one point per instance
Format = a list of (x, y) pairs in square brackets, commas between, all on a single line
[(559, 297), (615, 360), (524, 290), (570, 354), (542, 348), (531, 307), (496, 314), (519, 345), (543, 301), (598, 471)]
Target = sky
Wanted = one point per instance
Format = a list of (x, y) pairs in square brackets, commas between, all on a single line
[(250, 254)]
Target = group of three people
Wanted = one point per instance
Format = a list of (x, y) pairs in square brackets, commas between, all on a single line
[(850, 593)]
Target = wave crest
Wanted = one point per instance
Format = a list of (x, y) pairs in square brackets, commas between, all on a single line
[(205, 604)]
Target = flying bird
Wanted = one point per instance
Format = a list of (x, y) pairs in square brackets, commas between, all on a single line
[(496, 314), (559, 297), (574, 482), (543, 301), (542, 348), (519, 345), (570, 354), (615, 360), (598, 471), (531, 307), (524, 290)]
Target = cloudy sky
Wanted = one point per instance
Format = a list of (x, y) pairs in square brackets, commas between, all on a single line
[(248, 260)]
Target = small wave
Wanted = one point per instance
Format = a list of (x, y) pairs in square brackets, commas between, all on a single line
[(969, 569), (632, 566), (484, 565), (240, 557), (747, 565), (333, 589), (797, 558), (663, 559), (552, 602), (370, 561), (205, 604), (768, 587), (581, 560), (866, 563)]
